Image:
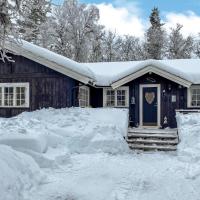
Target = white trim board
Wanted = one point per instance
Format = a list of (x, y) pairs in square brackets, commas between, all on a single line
[(151, 69), (52, 65), (141, 103)]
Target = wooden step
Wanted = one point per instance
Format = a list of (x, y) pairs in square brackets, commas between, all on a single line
[(152, 141), (153, 147), (152, 131), (149, 135)]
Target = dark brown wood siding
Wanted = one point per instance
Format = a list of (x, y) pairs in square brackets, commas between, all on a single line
[(48, 88)]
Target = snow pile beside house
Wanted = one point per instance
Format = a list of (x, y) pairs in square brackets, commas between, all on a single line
[(19, 174), (189, 133), (34, 143), (189, 146), (79, 130)]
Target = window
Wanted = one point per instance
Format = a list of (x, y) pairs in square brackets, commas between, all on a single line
[(14, 95), (110, 95), (84, 95), (116, 98), (194, 96)]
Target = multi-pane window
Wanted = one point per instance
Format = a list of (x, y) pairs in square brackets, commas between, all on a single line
[(194, 96), (14, 94), (116, 98), (121, 97), (84, 95), (20, 96), (8, 96), (110, 95)]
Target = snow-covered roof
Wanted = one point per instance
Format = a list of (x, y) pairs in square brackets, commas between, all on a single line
[(107, 73), (52, 60), (183, 71)]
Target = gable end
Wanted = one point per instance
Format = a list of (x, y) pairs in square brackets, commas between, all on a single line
[(151, 69)]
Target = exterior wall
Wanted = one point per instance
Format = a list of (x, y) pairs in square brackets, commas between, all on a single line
[(48, 88), (167, 106)]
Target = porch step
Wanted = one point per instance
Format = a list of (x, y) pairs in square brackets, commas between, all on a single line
[(153, 139), (150, 135), (152, 131), (153, 147)]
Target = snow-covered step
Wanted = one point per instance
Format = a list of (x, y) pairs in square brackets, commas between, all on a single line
[(153, 147), (149, 135), (152, 131), (152, 141)]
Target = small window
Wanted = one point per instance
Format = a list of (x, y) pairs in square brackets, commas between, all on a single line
[(116, 98), (194, 96), (110, 94), (84, 96), (14, 95)]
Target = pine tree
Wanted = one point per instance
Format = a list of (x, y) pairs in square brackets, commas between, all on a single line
[(179, 47), (155, 37), (34, 16)]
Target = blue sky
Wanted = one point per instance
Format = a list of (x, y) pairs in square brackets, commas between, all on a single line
[(135, 13), (164, 5)]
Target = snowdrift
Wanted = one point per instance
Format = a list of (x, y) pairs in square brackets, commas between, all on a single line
[(34, 143), (81, 130), (189, 133), (19, 174)]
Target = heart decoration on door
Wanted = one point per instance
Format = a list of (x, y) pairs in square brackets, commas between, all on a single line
[(149, 96)]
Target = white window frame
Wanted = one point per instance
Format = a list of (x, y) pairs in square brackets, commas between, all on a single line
[(189, 96), (80, 100), (14, 86), (126, 88)]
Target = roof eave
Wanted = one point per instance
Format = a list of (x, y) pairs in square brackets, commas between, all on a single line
[(59, 68)]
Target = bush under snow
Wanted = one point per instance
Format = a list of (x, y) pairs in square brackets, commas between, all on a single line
[(18, 174)]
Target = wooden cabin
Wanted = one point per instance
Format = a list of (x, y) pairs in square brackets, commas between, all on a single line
[(152, 90)]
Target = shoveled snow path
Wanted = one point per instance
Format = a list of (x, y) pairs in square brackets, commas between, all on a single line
[(122, 177)]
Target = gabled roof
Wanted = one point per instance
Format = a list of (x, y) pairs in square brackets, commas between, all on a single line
[(52, 60), (182, 71)]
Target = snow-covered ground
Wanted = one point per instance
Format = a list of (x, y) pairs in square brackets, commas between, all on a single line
[(80, 154)]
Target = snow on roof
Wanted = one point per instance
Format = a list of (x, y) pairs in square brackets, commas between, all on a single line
[(107, 73), (55, 58)]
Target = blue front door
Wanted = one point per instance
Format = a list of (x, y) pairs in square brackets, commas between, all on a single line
[(150, 106)]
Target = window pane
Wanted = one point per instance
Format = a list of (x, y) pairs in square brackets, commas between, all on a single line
[(121, 97), (83, 97), (20, 96), (110, 98), (193, 103), (8, 96), (195, 97)]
